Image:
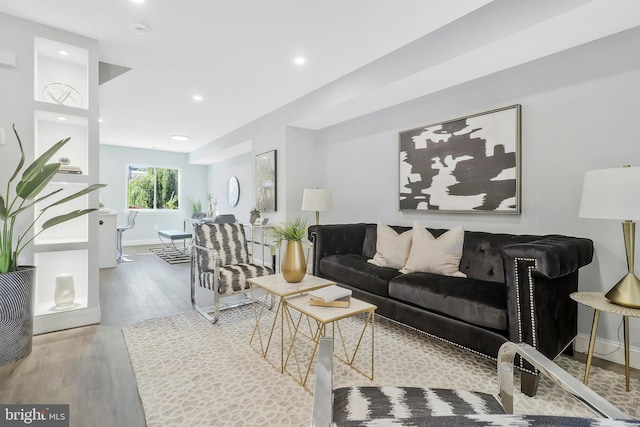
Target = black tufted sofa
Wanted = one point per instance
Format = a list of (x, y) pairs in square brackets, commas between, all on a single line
[(517, 288)]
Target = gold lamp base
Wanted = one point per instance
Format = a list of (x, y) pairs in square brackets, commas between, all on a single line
[(626, 292)]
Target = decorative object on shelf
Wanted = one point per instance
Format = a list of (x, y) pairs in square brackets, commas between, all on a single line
[(67, 167), (266, 175), (316, 199), (65, 293), (470, 164), (63, 94), (233, 191), (615, 194), (253, 215), (294, 266), (14, 239), (212, 212)]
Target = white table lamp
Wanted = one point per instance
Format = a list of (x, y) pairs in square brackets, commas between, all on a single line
[(316, 199), (615, 194)]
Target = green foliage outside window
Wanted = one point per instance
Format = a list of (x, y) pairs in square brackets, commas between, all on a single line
[(153, 188)]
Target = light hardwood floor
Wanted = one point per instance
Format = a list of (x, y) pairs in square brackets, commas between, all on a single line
[(89, 367)]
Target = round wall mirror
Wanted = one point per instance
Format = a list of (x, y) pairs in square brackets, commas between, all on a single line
[(233, 191)]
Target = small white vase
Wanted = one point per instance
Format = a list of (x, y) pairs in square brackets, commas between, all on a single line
[(65, 293)]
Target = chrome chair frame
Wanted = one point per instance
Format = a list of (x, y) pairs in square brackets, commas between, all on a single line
[(322, 410), (239, 298)]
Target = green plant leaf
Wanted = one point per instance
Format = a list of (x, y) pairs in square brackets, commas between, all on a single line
[(31, 188), (21, 162), (27, 206), (82, 192), (66, 217), (3, 209), (39, 164)]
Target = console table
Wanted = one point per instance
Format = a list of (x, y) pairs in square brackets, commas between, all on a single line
[(599, 303)]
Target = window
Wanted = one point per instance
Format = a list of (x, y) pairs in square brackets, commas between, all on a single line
[(153, 188)]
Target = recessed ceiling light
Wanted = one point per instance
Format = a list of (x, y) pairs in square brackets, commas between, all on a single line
[(100, 120), (62, 119), (63, 52), (197, 97), (299, 60), (138, 1), (180, 137), (141, 28)]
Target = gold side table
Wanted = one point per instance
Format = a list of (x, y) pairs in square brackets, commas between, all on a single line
[(599, 303)]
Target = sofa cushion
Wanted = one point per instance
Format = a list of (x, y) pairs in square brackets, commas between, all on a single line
[(357, 272), (435, 255), (474, 301), (392, 249)]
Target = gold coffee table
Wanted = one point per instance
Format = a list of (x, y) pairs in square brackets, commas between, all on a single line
[(276, 286), (324, 316)]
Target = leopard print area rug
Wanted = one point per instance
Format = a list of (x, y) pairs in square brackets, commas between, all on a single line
[(192, 373)]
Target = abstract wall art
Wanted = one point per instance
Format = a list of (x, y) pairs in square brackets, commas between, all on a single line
[(470, 164), (266, 189)]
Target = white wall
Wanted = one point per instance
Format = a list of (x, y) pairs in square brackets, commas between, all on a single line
[(114, 161), (578, 114), (218, 176)]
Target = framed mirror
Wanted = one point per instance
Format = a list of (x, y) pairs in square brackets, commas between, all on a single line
[(233, 191)]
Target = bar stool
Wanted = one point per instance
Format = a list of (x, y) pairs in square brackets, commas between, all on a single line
[(131, 222)]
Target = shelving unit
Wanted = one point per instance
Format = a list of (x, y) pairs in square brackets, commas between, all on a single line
[(65, 94)]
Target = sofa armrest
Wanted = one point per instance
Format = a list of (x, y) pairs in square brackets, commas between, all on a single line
[(336, 239), (539, 276), (554, 256)]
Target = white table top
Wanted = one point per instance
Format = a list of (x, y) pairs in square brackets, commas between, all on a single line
[(598, 301), (276, 284), (329, 314)]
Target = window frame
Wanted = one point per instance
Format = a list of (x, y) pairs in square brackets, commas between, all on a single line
[(155, 183)]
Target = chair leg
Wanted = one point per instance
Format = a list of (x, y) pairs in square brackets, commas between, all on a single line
[(529, 383), (204, 312)]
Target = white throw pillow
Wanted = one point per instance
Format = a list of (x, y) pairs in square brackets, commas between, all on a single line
[(392, 249), (437, 256)]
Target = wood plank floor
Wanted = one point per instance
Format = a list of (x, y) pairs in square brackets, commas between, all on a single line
[(89, 367)]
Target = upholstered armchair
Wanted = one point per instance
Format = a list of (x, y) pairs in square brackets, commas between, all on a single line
[(221, 262), (412, 406)]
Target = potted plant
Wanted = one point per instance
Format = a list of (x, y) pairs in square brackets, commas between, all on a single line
[(196, 205), (294, 266), (17, 282)]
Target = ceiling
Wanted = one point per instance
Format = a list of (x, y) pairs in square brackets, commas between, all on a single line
[(239, 55)]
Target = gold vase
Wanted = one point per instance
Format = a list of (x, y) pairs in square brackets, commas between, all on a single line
[(294, 267)]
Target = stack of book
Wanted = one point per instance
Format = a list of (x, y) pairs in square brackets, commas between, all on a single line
[(330, 296)]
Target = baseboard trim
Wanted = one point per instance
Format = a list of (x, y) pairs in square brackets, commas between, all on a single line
[(66, 320), (608, 350)]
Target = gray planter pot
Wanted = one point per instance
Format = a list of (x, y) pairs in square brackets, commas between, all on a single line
[(16, 314)]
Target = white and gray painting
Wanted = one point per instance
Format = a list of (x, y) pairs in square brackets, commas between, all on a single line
[(468, 164)]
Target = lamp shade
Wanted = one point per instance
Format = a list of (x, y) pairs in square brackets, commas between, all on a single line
[(316, 199), (611, 194)]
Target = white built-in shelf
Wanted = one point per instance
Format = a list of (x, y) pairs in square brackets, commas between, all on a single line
[(51, 264), (61, 73), (74, 231), (51, 127)]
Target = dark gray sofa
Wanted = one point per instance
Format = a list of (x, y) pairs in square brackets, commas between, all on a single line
[(517, 288)]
